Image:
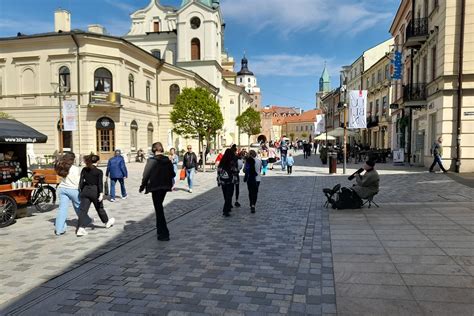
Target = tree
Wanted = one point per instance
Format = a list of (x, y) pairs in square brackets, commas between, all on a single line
[(196, 113), (4, 115), (292, 136), (304, 135), (249, 122)]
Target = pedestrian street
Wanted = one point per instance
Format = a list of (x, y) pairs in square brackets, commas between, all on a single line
[(413, 255)]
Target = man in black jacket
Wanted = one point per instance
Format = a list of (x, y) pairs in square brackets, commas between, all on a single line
[(158, 179), (190, 163)]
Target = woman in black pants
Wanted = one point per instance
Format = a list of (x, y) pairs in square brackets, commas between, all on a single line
[(226, 179), (158, 179), (91, 186), (252, 169)]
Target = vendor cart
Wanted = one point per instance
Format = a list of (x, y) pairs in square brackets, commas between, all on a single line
[(16, 189)]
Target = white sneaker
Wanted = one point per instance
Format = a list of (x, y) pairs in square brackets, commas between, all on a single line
[(190, 190), (125, 197), (81, 232), (110, 222), (112, 200)]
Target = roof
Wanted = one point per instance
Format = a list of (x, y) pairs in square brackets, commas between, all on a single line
[(325, 74), (15, 132), (281, 110), (308, 116)]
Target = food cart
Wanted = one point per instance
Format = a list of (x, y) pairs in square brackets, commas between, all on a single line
[(16, 188)]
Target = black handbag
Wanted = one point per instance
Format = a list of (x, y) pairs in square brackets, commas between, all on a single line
[(106, 187)]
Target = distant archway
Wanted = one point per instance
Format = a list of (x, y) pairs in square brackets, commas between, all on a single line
[(262, 139)]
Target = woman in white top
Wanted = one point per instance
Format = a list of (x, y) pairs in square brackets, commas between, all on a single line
[(68, 190)]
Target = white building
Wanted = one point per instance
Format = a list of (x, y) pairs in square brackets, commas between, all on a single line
[(247, 79), (192, 37)]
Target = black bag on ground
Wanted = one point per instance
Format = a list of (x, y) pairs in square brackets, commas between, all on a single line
[(347, 199)]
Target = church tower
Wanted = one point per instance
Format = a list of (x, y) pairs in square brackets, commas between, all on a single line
[(324, 85), (247, 79)]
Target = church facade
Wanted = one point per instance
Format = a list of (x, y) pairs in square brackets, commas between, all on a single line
[(191, 37)]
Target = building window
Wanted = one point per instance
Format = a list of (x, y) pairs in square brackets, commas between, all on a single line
[(174, 92), (367, 83), (103, 80), (377, 107), (371, 105), (131, 86), (385, 105), (150, 134), (387, 72), (65, 78), (156, 53), (195, 49), (148, 91), (433, 63), (133, 135), (241, 80), (156, 26), (195, 23), (373, 79)]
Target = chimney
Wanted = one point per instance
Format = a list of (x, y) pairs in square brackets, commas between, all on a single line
[(62, 20), (96, 28)]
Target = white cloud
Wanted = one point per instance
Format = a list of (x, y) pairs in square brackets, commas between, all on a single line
[(288, 65), (128, 8), (286, 17)]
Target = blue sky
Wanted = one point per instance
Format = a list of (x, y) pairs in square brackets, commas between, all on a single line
[(287, 41)]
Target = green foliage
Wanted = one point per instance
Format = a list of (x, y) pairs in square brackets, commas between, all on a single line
[(249, 122), (292, 136), (4, 115), (196, 113), (304, 135)]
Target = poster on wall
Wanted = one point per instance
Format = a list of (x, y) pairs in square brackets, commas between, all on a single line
[(357, 109), (320, 124), (69, 115)]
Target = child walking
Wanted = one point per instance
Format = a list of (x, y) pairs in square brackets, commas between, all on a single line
[(290, 161)]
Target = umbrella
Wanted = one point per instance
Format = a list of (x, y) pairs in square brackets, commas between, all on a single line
[(324, 137), (339, 132)]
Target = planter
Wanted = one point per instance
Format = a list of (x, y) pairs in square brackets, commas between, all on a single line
[(14, 185)]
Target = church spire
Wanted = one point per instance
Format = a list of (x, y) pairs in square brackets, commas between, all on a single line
[(325, 80), (245, 67)]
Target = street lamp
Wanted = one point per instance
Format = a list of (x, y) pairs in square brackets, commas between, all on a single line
[(60, 92), (344, 148)]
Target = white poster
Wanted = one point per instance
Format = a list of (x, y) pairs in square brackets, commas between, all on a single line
[(357, 109), (320, 124), (69, 115)]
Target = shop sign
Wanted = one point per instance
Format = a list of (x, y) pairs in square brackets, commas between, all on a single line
[(104, 98), (468, 113), (105, 123), (69, 115), (399, 155), (397, 66)]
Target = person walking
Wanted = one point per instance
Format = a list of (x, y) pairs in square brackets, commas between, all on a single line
[(271, 156), (117, 171), (240, 164), (158, 179), (290, 161), (91, 185), (190, 164), (174, 160), (264, 158), (252, 169), (68, 190), (437, 152), (283, 153), (226, 179)]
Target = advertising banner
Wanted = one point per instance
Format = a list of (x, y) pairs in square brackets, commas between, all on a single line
[(69, 115), (320, 124), (357, 109)]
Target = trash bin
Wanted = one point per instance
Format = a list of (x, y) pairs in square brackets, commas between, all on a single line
[(332, 158)]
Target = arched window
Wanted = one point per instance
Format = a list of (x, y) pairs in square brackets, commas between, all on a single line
[(103, 80), (148, 91), (65, 78), (133, 135), (131, 86), (195, 49), (150, 134), (156, 53), (174, 92)]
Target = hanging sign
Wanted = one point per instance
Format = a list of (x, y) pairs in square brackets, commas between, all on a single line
[(357, 109), (69, 115), (397, 67), (320, 124)]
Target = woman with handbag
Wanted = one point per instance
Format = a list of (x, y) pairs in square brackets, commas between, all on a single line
[(226, 179)]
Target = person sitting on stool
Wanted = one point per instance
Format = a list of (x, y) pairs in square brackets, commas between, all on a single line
[(368, 184)]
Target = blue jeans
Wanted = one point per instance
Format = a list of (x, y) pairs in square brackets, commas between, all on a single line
[(122, 187), (283, 162), (190, 176), (66, 196), (439, 161)]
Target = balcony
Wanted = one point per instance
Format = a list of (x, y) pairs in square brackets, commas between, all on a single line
[(414, 95), (416, 33)]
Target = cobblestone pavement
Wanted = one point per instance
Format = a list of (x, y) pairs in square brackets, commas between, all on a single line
[(413, 255)]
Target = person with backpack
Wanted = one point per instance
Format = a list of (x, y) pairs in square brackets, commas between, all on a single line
[(437, 152), (252, 169), (190, 164), (158, 179), (226, 179), (117, 171), (91, 186)]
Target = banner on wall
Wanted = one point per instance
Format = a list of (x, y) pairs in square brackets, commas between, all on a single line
[(357, 109), (320, 124), (69, 115)]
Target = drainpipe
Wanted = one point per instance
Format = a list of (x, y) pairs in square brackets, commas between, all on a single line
[(460, 87), (78, 70)]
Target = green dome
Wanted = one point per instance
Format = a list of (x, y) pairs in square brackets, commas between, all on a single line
[(205, 2)]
